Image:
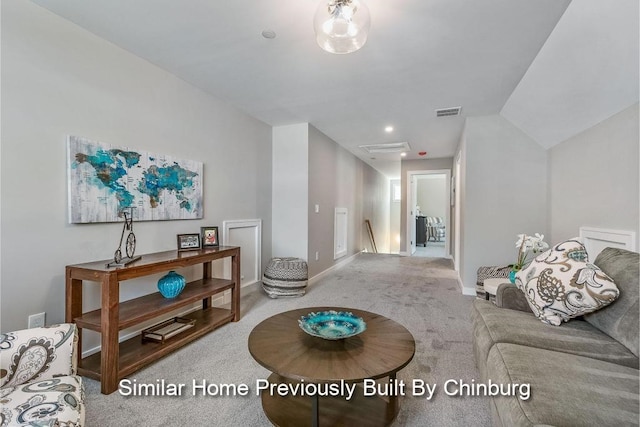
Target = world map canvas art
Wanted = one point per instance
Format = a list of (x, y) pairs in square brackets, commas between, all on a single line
[(104, 180)]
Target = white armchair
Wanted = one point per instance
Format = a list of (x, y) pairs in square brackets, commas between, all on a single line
[(38, 381), (435, 228)]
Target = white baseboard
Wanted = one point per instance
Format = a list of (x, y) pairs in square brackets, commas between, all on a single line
[(408, 254), (334, 267), (469, 292), (466, 291), (248, 288)]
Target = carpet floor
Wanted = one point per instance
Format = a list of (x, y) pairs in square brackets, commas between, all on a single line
[(420, 293)]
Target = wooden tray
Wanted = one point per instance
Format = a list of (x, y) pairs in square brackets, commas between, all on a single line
[(167, 329)]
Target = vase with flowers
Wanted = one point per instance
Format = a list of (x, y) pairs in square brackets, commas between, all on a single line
[(528, 247)]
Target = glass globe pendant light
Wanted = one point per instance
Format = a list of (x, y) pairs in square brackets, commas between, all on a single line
[(341, 26)]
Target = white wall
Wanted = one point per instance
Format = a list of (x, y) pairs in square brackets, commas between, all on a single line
[(432, 195), (58, 79), (593, 178), (504, 192), (458, 211), (338, 179), (376, 208), (291, 185)]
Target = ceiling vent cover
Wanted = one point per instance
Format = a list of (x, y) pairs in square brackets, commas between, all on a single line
[(390, 147), (444, 112)]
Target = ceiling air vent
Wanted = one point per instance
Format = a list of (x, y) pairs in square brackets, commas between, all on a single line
[(390, 147), (453, 111)]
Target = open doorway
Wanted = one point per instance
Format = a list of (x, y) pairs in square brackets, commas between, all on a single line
[(428, 206)]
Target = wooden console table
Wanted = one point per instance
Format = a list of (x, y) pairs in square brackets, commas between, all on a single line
[(117, 360)]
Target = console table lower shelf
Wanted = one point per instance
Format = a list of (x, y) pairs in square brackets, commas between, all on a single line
[(136, 353)]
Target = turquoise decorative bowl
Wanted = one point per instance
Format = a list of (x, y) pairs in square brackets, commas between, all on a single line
[(171, 284), (332, 325)]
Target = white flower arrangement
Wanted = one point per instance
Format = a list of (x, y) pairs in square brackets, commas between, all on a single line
[(527, 245)]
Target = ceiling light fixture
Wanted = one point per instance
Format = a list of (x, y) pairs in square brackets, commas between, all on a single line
[(403, 154), (341, 26), (388, 129)]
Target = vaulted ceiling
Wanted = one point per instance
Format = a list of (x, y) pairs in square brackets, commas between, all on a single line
[(421, 55)]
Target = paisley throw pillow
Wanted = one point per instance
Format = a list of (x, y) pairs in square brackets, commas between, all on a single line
[(561, 284)]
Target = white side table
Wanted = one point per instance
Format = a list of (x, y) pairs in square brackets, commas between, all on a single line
[(491, 285)]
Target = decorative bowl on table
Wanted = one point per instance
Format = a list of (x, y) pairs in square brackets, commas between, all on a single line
[(332, 325)]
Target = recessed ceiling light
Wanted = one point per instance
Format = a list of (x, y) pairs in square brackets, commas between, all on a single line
[(388, 129), (403, 154), (269, 34)]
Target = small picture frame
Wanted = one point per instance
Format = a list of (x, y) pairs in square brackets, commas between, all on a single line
[(188, 242), (209, 237)]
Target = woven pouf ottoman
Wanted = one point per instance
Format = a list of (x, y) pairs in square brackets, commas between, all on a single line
[(285, 277)]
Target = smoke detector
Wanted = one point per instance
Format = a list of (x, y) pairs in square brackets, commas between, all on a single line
[(389, 147), (452, 111)]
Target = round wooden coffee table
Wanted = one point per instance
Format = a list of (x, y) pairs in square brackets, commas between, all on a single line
[(296, 358)]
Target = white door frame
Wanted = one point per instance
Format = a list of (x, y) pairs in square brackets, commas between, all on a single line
[(413, 195), (456, 212), (411, 203)]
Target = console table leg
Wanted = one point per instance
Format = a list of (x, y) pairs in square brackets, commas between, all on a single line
[(235, 292), (206, 274), (73, 307), (109, 361), (315, 411)]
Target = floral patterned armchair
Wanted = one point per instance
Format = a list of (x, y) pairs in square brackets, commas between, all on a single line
[(38, 381)]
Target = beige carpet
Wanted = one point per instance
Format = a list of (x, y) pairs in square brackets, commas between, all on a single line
[(420, 293)]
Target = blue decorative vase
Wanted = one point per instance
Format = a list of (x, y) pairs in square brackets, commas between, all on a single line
[(512, 276), (171, 284)]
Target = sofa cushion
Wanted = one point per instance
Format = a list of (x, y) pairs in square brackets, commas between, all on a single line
[(560, 284), (493, 325), (565, 390), (57, 402), (620, 319)]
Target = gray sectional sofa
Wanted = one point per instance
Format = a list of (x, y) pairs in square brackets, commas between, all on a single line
[(582, 373)]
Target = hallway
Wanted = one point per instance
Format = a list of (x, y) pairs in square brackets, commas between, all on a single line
[(432, 250)]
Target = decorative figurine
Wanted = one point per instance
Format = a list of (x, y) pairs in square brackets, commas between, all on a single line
[(130, 246)]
